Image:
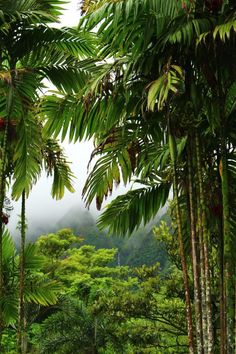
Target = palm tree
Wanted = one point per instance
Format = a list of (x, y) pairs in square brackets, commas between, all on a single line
[(32, 51), (153, 84), (55, 164), (38, 288)]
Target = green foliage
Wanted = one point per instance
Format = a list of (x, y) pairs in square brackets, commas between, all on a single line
[(33, 52), (111, 309), (26, 157), (55, 244), (149, 85), (164, 233), (170, 81), (139, 248), (39, 289)]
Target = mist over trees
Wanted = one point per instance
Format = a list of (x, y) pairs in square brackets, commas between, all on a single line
[(153, 83)]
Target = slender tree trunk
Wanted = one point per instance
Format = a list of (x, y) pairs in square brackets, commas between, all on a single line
[(195, 260), (210, 329), (234, 307), (173, 153), (21, 319), (222, 302), (221, 272), (203, 279), (2, 198), (201, 263), (228, 249)]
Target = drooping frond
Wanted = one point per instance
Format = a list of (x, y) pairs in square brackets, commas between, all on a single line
[(172, 81), (8, 247), (33, 261), (126, 213), (81, 117), (56, 165), (42, 44), (230, 103), (9, 304), (119, 152), (130, 10), (41, 291), (106, 172), (37, 11), (38, 289), (27, 156), (9, 301), (225, 30)]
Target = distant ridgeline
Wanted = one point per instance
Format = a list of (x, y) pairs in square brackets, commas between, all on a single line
[(141, 248)]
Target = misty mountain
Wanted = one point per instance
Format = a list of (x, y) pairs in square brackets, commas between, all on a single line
[(140, 248)]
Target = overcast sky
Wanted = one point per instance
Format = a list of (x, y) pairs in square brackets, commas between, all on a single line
[(40, 206)]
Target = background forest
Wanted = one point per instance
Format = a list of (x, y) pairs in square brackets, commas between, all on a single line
[(153, 83)]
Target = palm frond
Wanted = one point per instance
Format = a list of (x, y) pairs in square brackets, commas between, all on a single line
[(42, 44), (107, 171), (126, 213), (65, 79), (230, 103), (189, 30), (130, 10), (56, 164), (8, 246), (172, 81), (27, 157), (42, 292), (33, 261), (225, 30), (38, 11), (9, 308)]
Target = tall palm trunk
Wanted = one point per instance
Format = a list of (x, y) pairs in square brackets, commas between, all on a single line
[(221, 269), (2, 198), (228, 249), (21, 319), (205, 241), (195, 258), (222, 295), (202, 276), (202, 265), (173, 154)]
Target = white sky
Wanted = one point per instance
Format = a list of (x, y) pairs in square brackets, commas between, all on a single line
[(71, 14)]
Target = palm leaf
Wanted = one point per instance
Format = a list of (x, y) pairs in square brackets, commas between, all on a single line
[(8, 247), (9, 308), (56, 164), (225, 30), (126, 213), (46, 10), (53, 45), (42, 292), (171, 81), (33, 261), (230, 103), (27, 157)]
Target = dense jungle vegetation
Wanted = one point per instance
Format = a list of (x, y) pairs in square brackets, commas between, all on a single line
[(153, 83)]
